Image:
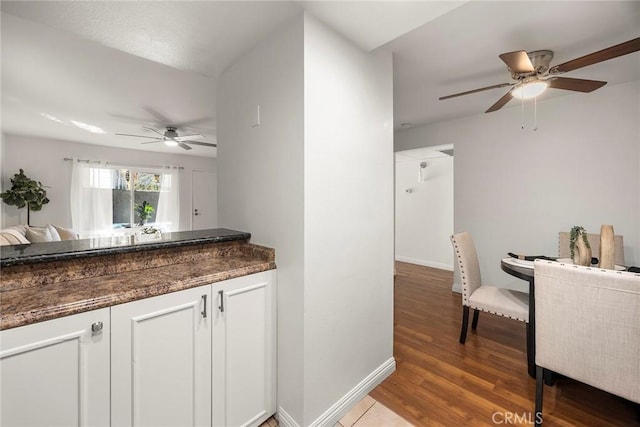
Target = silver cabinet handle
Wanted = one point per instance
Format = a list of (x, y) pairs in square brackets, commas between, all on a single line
[(204, 306), (221, 306), (96, 327)]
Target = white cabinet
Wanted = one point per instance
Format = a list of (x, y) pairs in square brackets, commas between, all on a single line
[(56, 373), (199, 357), (244, 350), (161, 360)]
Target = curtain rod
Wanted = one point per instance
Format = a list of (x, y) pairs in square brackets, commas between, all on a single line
[(133, 165)]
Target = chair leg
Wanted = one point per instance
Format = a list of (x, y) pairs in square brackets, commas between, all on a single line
[(548, 377), (474, 323), (465, 324), (539, 392)]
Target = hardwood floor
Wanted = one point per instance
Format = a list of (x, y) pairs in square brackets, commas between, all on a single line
[(440, 382)]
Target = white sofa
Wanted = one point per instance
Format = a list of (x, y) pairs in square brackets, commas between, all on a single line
[(587, 324), (24, 234)]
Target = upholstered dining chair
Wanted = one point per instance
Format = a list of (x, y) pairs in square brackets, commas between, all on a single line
[(587, 328), (481, 297), (594, 242)]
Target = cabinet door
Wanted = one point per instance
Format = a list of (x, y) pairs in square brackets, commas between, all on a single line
[(56, 373), (244, 350), (161, 360)]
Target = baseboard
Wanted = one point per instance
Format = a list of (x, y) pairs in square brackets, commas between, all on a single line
[(424, 263), (332, 415), (457, 287), (284, 419)]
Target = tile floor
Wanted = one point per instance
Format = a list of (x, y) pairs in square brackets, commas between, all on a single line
[(367, 413)]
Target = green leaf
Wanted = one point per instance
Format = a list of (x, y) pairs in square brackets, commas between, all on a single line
[(25, 191)]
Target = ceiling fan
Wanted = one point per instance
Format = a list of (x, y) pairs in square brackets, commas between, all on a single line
[(533, 74), (171, 138)]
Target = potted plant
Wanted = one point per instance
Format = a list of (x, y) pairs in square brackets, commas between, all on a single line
[(579, 246), (25, 192), (144, 211)]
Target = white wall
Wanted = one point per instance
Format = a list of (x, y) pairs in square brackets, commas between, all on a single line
[(314, 181), (261, 181), (348, 215), (42, 160), (424, 216), (514, 189)]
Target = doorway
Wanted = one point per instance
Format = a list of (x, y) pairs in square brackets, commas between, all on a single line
[(424, 206)]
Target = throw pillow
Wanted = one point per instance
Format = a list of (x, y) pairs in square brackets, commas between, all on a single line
[(65, 233), (11, 236), (42, 234)]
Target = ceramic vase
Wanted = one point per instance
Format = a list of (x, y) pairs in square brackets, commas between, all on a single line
[(581, 252), (607, 247)]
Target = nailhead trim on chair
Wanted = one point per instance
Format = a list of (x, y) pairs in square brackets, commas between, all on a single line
[(500, 314), (465, 298)]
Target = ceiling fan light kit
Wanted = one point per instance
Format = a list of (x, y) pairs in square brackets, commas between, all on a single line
[(529, 90), (533, 73)]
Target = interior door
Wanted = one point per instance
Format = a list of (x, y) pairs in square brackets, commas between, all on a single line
[(204, 196)]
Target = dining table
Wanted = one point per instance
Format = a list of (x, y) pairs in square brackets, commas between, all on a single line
[(524, 270)]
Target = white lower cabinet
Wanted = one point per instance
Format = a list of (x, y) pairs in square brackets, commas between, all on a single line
[(161, 360), (244, 350), (56, 373), (199, 357)]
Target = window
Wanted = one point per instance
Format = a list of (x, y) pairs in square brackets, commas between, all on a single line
[(135, 197), (106, 199)]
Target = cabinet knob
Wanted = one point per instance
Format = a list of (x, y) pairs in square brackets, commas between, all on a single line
[(96, 327)]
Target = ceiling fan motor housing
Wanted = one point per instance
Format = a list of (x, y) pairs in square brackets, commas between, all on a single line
[(540, 59), (170, 133)]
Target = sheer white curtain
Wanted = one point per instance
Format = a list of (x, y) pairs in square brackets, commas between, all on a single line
[(91, 199), (168, 214)]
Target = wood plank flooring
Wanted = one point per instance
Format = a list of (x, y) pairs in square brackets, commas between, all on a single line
[(440, 382)]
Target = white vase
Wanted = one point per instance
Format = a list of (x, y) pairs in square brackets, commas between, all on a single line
[(581, 252), (607, 247)]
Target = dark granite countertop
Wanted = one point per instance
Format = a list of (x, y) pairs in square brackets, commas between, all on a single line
[(84, 248), (37, 292)]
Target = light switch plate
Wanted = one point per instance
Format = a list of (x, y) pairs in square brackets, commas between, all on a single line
[(256, 117)]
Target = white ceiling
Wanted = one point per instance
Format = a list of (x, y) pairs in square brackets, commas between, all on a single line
[(122, 65), (459, 52)]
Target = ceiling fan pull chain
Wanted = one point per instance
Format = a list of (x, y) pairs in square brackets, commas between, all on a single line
[(522, 121), (535, 114)]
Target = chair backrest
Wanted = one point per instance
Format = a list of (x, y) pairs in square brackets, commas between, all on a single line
[(588, 325), (594, 242), (468, 266)]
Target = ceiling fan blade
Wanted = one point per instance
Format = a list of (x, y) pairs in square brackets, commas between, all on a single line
[(158, 115), (203, 143), (188, 137), (152, 142), (138, 136), (475, 90), (191, 123), (153, 130), (501, 102), (578, 85), (599, 56), (183, 145), (518, 61)]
